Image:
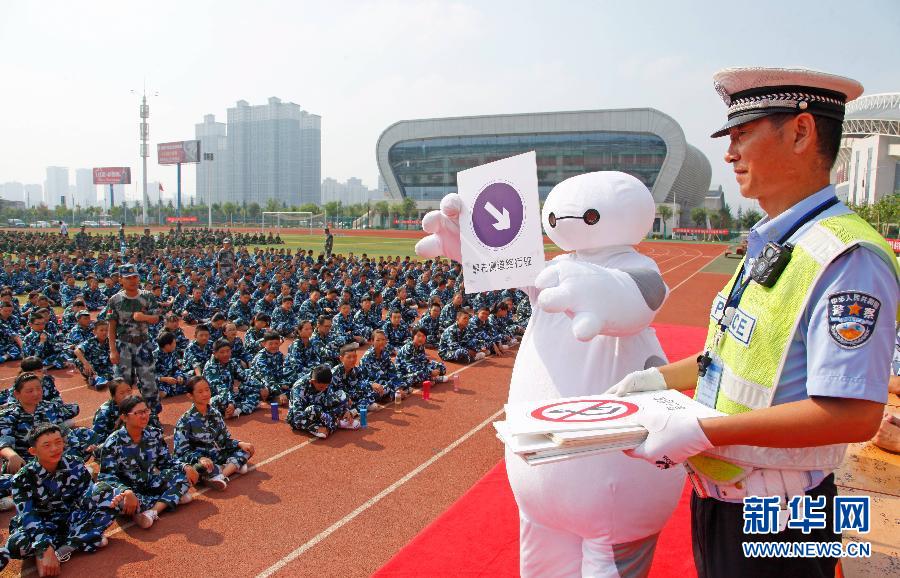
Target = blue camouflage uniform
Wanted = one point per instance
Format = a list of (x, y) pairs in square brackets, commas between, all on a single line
[(48, 393), (455, 344), (342, 328), (365, 322), (300, 360), (432, 327), (357, 387), (97, 355), (240, 313), (448, 315), (62, 508), (196, 311), (415, 365), (311, 409), (146, 468), (169, 365), (253, 340), (284, 322), (221, 380), (325, 347), (310, 310), (106, 421), (206, 436), (9, 349), (396, 335), (268, 370), (382, 370), (196, 355), (51, 352)]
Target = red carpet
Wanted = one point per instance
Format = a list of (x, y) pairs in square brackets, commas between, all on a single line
[(479, 534)]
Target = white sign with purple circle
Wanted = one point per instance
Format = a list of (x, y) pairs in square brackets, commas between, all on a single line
[(500, 224)]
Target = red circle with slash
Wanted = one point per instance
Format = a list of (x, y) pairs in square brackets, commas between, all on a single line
[(584, 410)]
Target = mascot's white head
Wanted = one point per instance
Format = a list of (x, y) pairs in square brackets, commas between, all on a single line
[(597, 210)]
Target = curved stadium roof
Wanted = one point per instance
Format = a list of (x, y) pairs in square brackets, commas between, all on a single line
[(873, 114)]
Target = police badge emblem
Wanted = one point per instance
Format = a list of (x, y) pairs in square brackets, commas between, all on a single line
[(851, 317)]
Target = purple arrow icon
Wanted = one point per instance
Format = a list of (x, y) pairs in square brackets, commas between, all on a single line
[(497, 215)]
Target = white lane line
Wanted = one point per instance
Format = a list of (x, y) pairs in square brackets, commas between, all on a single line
[(373, 500), (700, 270), (682, 264)]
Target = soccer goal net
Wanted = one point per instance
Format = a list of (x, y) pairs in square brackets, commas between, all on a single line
[(278, 220)]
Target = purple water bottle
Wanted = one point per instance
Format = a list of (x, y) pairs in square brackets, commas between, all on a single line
[(274, 407)]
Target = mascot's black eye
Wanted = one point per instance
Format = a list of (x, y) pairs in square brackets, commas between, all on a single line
[(551, 218), (591, 216)]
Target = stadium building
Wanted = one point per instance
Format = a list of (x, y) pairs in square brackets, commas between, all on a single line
[(419, 159), (868, 165)]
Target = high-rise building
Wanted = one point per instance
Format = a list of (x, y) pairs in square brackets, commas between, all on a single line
[(56, 187), (351, 192), (212, 175), (270, 151), (85, 189)]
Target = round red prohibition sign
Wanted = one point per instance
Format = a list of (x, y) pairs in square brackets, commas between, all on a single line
[(584, 410)]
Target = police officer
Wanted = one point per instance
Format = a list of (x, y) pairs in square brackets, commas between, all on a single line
[(800, 340), (130, 312)]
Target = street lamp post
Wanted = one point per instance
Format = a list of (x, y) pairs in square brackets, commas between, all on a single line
[(209, 157)]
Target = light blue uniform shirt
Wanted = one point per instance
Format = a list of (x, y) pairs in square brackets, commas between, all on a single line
[(816, 364)]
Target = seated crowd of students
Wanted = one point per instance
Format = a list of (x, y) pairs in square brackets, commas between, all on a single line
[(68, 484)]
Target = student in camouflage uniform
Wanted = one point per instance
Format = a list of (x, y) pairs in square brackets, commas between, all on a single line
[(501, 323), (48, 387), (485, 335), (238, 351), (107, 418), (458, 344), (129, 313), (146, 245), (94, 299), (431, 325), (348, 377), (414, 364), (223, 375), (172, 325), (241, 312), (450, 311), (197, 309), (253, 337), (268, 370), (199, 351), (311, 309), (60, 509), (136, 462), (283, 319), (19, 417), (203, 439), (82, 330), (377, 367), (92, 356), (10, 342), (302, 355), (366, 319), (317, 406), (396, 330), (323, 341), (170, 375), (40, 343)]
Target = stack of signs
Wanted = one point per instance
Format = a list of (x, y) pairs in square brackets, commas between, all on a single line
[(553, 430)]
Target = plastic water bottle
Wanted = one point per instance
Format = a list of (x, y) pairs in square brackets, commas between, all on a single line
[(274, 407), (456, 383), (426, 389), (363, 416), (398, 401)]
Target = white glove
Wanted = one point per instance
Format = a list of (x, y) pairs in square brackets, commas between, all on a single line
[(672, 438), (575, 289), (444, 228), (645, 380)]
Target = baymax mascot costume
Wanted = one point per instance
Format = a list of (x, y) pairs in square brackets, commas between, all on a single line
[(598, 515)]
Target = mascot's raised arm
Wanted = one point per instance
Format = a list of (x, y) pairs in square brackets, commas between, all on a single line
[(598, 515)]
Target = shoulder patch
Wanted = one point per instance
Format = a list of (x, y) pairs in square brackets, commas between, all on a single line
[(851, 317)]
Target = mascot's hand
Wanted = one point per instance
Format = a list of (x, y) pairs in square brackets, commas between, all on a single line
[(671, 439), (577, 289), (644, 380), (444, 228)]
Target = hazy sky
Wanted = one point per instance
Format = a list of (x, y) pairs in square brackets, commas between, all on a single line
[(67, 68)]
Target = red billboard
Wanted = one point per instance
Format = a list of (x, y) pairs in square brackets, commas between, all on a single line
[(895, 244), (188, 219), (183, 151), (112, 175)]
